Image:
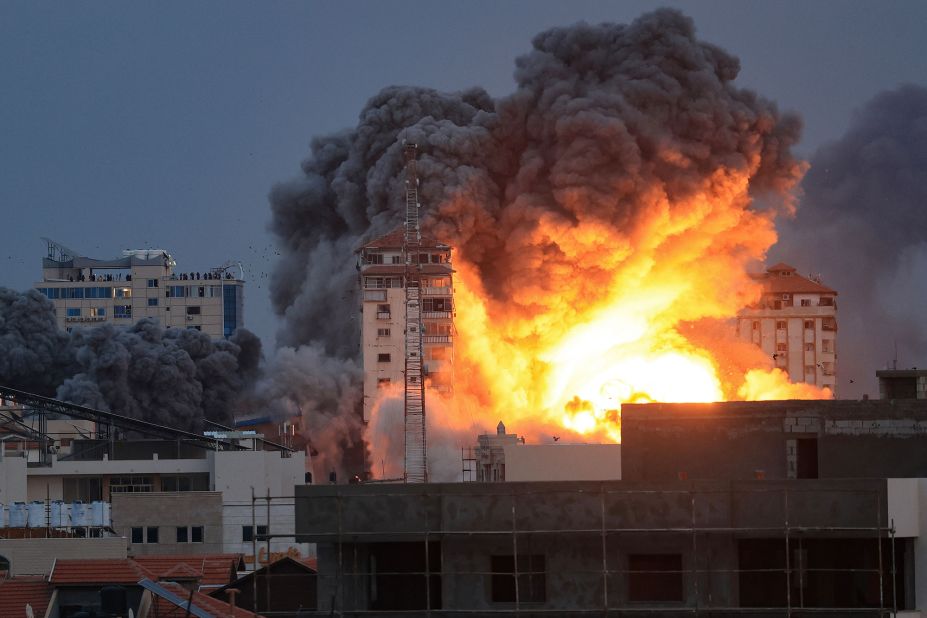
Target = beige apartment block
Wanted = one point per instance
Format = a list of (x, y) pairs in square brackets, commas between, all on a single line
[(382, 265), (187, 522), (795, 323), (141, 284)]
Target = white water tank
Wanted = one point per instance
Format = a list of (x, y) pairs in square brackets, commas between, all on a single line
[(36, 514), (79, 514), (18, 515), (59, 514), (96, 513), (2, 516), (107, 519)]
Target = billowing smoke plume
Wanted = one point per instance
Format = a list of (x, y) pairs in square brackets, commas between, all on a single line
[(624, 157), (174, 377), (35, 355), (863, 226)]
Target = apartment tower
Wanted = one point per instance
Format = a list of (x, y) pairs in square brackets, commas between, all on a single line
[(382, 278), (795, 323)]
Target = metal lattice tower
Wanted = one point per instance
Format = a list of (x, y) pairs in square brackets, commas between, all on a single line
[(415, 469)]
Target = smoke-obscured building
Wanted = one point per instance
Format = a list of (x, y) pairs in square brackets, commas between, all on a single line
[(141, 284), (795, 323), (383, 280)]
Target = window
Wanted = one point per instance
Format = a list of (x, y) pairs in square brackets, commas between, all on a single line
[(129, 484), (532, 578), (196, 534), (396, 259), (123, 292), (827, 345), (805, 302), (782, 347), (152, 302), (382, 332), (138, 535), (655, 578), (182, 534), (247, 533), (152, 283), (781, 325), (755, 326), (374, 258), (383, 311), (383, 382), (73, 312), (829, 324), (122, 311), (809, 324), (436, 304), (437, 353), (809, 370), (383, 358), (152, 534), (176, 291), (809, 347), (97, 312), (193, 310)]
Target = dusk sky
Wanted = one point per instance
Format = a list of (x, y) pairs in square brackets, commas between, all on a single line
[(165, 125)]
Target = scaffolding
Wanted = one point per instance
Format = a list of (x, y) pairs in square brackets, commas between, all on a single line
[(604, 561), (414, 405)]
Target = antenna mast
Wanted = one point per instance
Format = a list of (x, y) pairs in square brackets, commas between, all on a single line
[(415, 469)]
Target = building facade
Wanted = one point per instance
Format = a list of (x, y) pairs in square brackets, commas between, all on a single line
[(382, 265), (795, 323), (141, 284)]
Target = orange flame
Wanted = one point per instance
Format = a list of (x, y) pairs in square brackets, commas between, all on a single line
[(606, 324)]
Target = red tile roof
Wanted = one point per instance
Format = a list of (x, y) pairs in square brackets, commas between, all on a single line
[(17, 592), (165, 609), (80, 572), (395, 239), (212, 569), (783, 279)]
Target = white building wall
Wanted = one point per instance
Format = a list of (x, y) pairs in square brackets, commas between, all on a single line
[(562, 462), (235, 474), (12, 479)]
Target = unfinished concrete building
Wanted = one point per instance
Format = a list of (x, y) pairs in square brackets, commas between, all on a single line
[(788, 508), (382, 275), (795, 323)]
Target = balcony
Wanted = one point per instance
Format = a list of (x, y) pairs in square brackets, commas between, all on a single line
[(375, 295), (436, 315), (446, 291), (84, 318), (383, 315), (437, 339)]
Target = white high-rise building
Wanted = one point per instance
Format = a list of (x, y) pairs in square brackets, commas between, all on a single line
[(795, 323), (141, 284), (382, 279)]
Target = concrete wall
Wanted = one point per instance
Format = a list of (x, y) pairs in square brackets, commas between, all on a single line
[(580, 528), (563, 462), (235, 474), (743, 440), (36, 556), (12, 479), (167, 512)]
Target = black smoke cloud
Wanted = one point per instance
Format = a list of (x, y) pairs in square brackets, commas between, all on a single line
[(863, 226), (174, 377), (602, 117), (605, 121)]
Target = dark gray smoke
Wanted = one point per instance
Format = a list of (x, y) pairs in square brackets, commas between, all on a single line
[(174, 377), (35, 355), (605, 119), (863, 225)]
